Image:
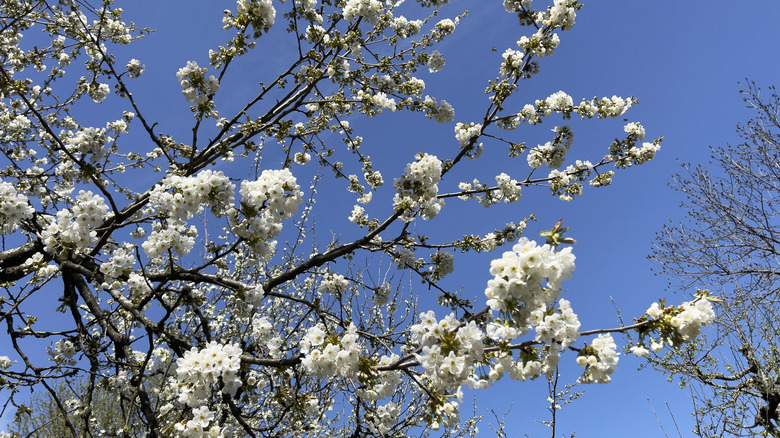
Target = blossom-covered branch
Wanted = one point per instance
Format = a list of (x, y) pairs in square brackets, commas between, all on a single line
[(210, 282)]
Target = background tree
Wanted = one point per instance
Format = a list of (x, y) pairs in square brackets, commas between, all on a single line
[(730, 243), (44, 414), (193, 285)]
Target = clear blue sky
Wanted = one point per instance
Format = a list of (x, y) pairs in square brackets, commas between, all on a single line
[(682, 60)]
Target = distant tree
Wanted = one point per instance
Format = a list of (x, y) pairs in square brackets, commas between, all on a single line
[(730, 243), (58, 410), (193, 257)]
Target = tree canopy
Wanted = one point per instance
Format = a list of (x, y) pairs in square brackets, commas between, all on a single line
[(207, 281)]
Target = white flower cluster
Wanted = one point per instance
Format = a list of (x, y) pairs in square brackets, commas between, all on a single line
[(404, 257), (326, 356), (383, 101), (626, 153), (301, 158), (138, 285), (567, 183), (200, 369), (522, 369), (508, 188), (122, 259), (134, 68), (339, 69), (635, 129), (75, 227), (563, 183), (562, 327), (89, 141), (686, 320), (516, 288), (383, 383), (14, 126), (380, 100), (384, 418), (694, 315), (639, 155), (196, 87), (202, 425), (369, 9), (118, 126), (405, 28), (440, 112), (113, 30), (643, 154), (516, 5), (180, 198), (98, 92), (562, 14), (558, 101), (381, 294), (640, 351), (316, 33), (445, 27), (334, 284), (175, 236), (563, 103), (513, 60), (418, 188), (447, 413), (436, 61), (309, 9), (42, 270), (602, 179), (599, 359), (464, 132), (260, 15), (449, 350), (254, 296), (605, 107), (261, 12), (266, 203), (63, 352), (358, 216), (553, 153), (540, 44), (14, 207), (265, 333), (5, 362), (443, 264), (63, 59)]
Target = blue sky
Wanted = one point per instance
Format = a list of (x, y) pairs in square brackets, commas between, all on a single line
[(682, 60)]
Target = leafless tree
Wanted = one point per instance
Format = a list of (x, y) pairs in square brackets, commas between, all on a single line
[(730, 244)]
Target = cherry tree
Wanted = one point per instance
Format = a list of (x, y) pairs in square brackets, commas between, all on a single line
[(197, 282)]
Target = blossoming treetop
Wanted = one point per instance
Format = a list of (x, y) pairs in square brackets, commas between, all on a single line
[(167, 259)]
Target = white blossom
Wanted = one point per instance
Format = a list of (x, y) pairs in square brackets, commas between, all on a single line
[(134, 68), (435, 61), (201, 369), (598, 367), (14, 207), (418, 188), (693, 316), (333, 284)]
